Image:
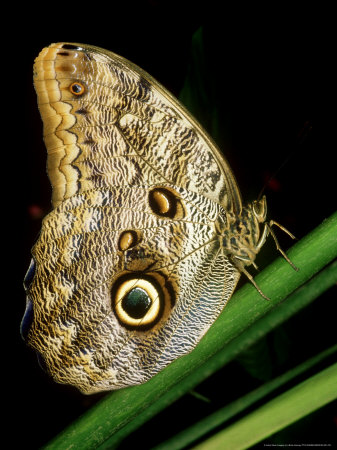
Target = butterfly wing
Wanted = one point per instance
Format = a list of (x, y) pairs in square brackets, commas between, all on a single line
[(122, 128), (129, 270)]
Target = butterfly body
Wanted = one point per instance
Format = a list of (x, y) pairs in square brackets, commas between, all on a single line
[(147, 236)]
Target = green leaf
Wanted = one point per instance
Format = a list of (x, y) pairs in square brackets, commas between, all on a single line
[(280, 412), (219, 417), (118, 409)]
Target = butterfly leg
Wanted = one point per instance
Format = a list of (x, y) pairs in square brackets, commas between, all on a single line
[(240, 266), (268, 226), (251, 279)]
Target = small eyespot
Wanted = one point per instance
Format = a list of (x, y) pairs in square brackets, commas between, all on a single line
[(162, 202), (77, 88), (166, 203), (127, 239)]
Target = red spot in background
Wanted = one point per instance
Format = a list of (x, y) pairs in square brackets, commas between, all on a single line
[(35, 212), (272, 183)]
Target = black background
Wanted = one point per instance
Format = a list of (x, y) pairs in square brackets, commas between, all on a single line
[(268, 75)]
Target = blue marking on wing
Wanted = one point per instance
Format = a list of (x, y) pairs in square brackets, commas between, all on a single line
[(27, 319), (29, 275)]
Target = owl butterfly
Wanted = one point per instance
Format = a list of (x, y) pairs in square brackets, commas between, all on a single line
[(147, 236)]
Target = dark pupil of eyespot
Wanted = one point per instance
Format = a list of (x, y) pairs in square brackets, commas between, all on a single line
[(77, 88), (136, 303)]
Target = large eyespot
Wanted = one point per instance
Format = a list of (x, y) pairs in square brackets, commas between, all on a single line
[(165, 202), (77, 88), (139, 302)]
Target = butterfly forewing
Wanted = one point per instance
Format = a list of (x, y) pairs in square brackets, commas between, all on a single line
[(121, 128)]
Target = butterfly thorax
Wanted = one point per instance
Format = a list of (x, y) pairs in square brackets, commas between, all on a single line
[(241, 236)]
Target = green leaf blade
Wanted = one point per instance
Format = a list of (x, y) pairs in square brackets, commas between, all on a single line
[(277, 414)]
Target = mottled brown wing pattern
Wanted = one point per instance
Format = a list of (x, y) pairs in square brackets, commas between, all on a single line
[(130, 269), (120, 128)]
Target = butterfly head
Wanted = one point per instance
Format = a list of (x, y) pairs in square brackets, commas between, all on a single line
[(259, 209)]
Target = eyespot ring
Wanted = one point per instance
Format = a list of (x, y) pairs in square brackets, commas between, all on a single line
[(140, 301), (77, 88), (147, 316)]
